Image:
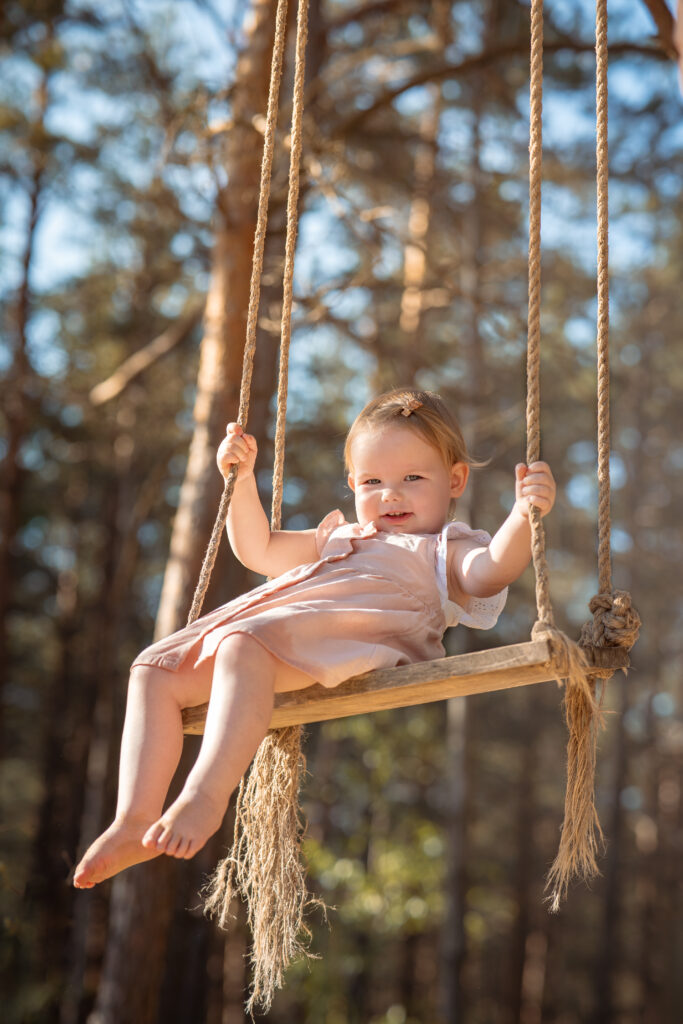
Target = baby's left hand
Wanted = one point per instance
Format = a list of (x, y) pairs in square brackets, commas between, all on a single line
[(534, 485)]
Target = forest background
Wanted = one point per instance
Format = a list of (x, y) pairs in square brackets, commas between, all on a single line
[(132, 133)]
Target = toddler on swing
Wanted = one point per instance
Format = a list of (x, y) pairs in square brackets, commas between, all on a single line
[(344, 598)]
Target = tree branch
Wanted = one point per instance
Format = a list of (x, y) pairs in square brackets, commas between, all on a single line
[(379, 7), (134, 365), (664, 20), (480, 60)]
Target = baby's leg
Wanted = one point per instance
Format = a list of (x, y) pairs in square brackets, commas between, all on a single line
[(239, 713), (150, 749)]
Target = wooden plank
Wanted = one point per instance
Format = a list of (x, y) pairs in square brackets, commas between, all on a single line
[(457, 676)]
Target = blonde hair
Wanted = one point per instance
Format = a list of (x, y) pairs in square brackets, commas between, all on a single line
[(422, 411)]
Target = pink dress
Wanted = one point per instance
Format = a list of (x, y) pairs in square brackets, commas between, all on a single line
[(373, 600)]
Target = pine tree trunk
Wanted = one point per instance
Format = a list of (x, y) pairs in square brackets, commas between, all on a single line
[(15, 407), (142, 899), (222, 347), (658, 882), (610, 940), (460, 713), (519, 995), (611, 937), (405, 362), (89, 781), (453, 935)]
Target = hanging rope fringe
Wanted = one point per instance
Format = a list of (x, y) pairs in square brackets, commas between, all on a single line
[(615, 624), (581, 840), (581, 837), (264, 867)]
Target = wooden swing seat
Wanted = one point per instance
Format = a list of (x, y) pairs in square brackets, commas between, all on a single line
[(456, 676)]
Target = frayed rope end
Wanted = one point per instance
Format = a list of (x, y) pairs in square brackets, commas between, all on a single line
[(582, 840), (264, 868)]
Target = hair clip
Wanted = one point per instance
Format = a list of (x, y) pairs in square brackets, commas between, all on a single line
[(410, 406)]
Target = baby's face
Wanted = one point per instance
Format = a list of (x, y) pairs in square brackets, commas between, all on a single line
[(400, 482)]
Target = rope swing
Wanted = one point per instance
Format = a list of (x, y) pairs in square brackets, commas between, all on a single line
[(615, 621), (264, 866)]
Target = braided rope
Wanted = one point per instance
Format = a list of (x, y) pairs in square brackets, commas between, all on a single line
[(290, 247), (602, 183), (254, 297), (533, 406), (615, 621)]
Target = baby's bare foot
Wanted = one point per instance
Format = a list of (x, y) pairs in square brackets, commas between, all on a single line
[(116, 849), (183, 829)]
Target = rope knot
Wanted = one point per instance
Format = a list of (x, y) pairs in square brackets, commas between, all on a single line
[(541, 629), (616, 622)]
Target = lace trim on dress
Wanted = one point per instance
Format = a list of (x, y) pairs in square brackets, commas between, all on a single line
[(481, 612)]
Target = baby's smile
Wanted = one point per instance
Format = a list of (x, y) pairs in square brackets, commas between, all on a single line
[(401, 482)]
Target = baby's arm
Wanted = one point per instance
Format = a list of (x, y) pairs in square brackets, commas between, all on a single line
[(264, 551), (476, 571)]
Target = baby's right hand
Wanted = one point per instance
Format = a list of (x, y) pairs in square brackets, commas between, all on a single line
[(236, 447)]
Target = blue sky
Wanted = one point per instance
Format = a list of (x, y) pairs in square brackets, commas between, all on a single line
[(65, 244)]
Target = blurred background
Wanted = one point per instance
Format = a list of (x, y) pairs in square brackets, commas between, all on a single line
[(132, 136)]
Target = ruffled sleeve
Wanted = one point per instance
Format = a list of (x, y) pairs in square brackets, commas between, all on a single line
[(481, 612), (332, 521)]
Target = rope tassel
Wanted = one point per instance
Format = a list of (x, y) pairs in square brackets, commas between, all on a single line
[(264, 867), (615, 624), (582, 840)]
